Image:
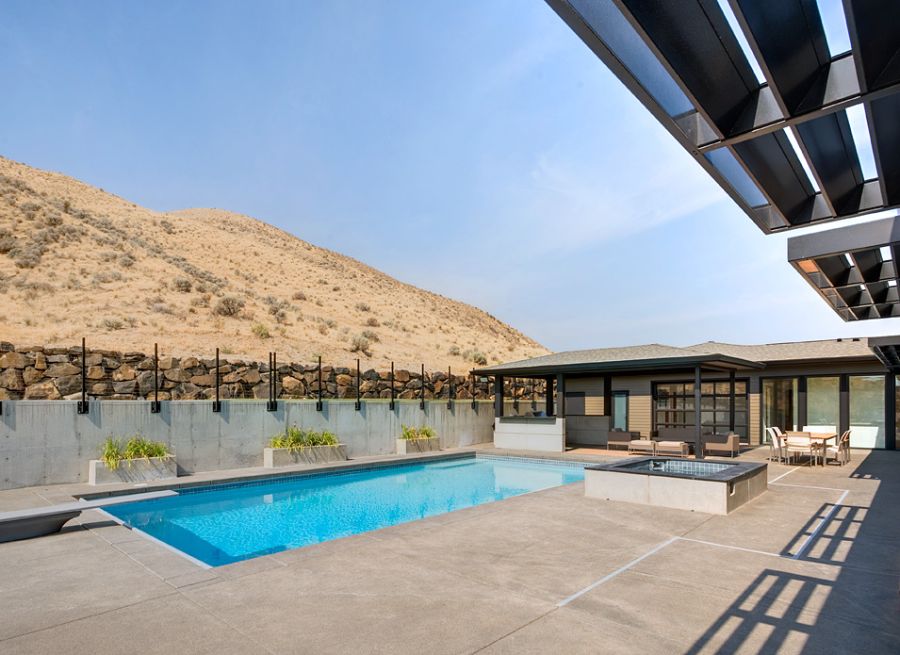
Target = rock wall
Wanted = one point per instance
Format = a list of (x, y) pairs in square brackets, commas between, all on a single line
[(38, 373)]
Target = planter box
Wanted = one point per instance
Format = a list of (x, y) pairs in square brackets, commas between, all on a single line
[(275, 457), (410, 446), (133, 470)]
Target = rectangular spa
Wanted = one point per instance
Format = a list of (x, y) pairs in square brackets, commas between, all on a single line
[(701, 486), (224, 523)]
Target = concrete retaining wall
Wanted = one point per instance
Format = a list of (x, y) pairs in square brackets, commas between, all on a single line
[(48, 442)]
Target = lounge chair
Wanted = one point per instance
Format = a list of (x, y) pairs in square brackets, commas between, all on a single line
[(672, 448), (620, 438), (731, 445), (643, 446)]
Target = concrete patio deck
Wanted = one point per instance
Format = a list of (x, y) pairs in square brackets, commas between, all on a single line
[(812, 566)]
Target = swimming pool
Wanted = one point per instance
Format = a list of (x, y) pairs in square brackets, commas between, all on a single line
[(227, 523)]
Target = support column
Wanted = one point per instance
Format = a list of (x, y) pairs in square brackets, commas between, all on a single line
[(607, 396), (731, 401), (801, 402), (548, 395), (498, 396), (560, 396), (844, 405), (890, 411), (698, 430)]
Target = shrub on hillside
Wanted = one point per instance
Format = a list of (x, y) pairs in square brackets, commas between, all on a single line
[(372, 322), (182, 284), (229, 306), (363, 307), (359, 344), (299, 295), (261, 331)]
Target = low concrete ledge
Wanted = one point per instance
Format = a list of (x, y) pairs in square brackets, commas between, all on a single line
[(133, 470), (277, 457), (543, 434), (410, 446)]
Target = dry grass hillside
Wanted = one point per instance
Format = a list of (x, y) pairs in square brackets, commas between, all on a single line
[(75, 260)]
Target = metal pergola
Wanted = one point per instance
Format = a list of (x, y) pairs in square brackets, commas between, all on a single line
[(853, 268), (684, 62)]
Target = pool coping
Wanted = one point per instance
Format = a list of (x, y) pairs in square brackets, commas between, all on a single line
[(736, 472), (235, 477)]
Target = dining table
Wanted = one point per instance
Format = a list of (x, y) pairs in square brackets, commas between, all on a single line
[(821, 438)]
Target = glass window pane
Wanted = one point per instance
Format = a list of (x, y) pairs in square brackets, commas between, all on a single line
[(823, 404), (723, 388), (740, 418), (726, 163), (780, 404), (722, 418), (740, 403), (707, 388), (740, 388), (706, 418), (867, 411), (707, 403), (723, 404)]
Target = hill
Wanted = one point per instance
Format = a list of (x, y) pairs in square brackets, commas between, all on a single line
[(78, 261)]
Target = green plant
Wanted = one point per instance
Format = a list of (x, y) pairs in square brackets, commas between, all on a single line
[(296, 439), (261, 331), (112, 452), (411, 433)]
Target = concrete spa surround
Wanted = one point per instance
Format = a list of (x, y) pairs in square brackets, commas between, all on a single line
[(717, 493)]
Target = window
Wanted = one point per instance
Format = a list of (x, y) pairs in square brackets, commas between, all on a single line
[(867, 411), (674, 406), (620, 410), (780, 404)]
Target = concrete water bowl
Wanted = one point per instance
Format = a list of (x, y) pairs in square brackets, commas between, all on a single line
[(708, 486)]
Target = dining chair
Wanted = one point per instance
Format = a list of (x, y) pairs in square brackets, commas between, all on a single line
[(775, 452), (801, 444), (839, 452)]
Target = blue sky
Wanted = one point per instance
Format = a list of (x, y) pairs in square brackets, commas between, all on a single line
[(474, 148)]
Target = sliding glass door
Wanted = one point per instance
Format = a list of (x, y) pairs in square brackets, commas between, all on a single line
[(780, 404), (823, 398), (867, 411)]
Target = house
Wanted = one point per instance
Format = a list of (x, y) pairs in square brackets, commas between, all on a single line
[(711, 387)]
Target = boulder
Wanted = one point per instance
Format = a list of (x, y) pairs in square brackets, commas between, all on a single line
[(177, 375), (6, 394), (32, 375), (414, 384), (68, 384), (101, 388), (96, 373), (57, 358), (293, 386), (145, 364), (42, 391), (343, 380), (384, 393), (207, 380), (40, 361), (12, 379), (401, 376), (438, 386), (125, 387), (165, 363), (368, 386), (370, 374), (408, 395), (252, 376), (93, 359), (145, 381), (61, 370), (190, 362), (13, 360), (123, 373)]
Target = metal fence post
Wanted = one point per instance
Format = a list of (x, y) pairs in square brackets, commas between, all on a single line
[(319, 399), (272, 405), (83, 403), (358, 405), (154, 404), (422, 390), (217, 404), (392, 387)]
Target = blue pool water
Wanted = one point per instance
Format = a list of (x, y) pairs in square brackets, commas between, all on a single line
[(228, 523)]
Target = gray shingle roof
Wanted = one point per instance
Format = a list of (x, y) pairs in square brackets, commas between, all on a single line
[(763, 353)]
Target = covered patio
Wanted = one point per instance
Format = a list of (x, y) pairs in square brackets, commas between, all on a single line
[(588, 397)]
